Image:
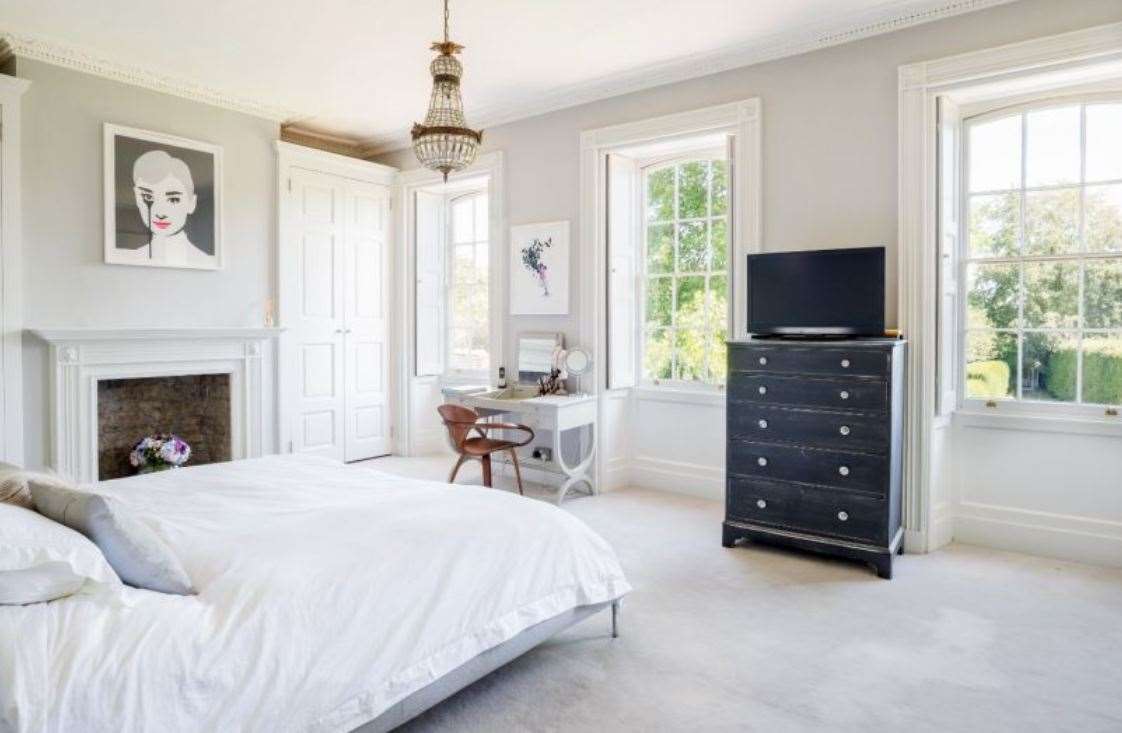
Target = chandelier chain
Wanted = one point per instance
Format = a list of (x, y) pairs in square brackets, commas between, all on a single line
[(446, 21)]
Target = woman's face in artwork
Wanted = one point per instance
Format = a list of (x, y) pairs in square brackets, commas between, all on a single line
[(171, 202)]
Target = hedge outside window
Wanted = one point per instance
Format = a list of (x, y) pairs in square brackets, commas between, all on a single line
[(468, 292), (1042, 266), (685, 272)]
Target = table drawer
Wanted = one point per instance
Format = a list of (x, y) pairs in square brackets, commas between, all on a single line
[(806, 509), (842, 469), (869, 395), (807, 427), (788, 359)]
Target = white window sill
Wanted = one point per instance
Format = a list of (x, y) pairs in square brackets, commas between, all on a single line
[(700, 397), (987, 418)]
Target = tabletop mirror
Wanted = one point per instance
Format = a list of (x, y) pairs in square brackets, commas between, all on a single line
[(535, 355)]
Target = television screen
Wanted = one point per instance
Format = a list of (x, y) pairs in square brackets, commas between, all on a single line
[(823, 292)]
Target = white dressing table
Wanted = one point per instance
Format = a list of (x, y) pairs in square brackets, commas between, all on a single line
[(554, 414)]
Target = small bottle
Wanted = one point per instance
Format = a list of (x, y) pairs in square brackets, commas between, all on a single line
[(502, 377)]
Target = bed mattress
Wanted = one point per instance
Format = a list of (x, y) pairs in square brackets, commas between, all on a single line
[(327, 594)]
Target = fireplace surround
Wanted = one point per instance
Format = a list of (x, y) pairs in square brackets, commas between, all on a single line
[(82, 358)]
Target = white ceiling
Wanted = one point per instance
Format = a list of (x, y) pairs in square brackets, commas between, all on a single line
[(359, 68)]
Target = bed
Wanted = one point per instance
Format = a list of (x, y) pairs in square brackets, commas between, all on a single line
[(331, 598)]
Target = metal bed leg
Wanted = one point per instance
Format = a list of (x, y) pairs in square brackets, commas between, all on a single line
[(615, 619)]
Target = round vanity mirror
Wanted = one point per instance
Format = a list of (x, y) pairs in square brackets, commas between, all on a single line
[(577, 362)]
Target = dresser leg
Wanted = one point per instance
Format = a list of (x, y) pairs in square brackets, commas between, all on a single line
[(728, 536), (884, 567)]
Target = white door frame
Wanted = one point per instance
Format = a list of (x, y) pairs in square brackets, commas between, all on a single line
[(490, 165), (741, 119), (11, 275), (290, 156), (920, 85)]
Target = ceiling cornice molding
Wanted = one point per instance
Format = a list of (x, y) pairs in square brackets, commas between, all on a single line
[(892, 15), (887, 18), (49, 51)]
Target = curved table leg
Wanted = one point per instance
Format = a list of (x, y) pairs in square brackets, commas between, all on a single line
[(579, 473)]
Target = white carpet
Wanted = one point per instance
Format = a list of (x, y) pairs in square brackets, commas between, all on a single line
[(760, 639)]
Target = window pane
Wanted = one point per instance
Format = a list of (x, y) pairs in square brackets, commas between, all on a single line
[(720, 234), (1102, 368), (660, 195), (717, 327), (991, 299), (657, 359), (693, 189), (693, 249), (660, 248), (462, 225), (718, 357), (991, 360), (1052, 222), (1103, 219), (1104, 142), (482, 224), (1048, 367), (660, 304), (691, 302), (1052, 149), (1052, 294), (463, 263), (1102, 294), (995, 154), (721, 187), (994, 225), (481, 263), (689, 360)]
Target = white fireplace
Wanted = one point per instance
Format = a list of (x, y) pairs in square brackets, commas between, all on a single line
[(81, 358)]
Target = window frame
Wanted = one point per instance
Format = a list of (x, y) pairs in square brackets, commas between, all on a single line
[(1016, 404), (645, 166), (453, 374)]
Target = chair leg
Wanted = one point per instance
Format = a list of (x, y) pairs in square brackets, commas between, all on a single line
[(486, 470), (456, 468), (517, 471)]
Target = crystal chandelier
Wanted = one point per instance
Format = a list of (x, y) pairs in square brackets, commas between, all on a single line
[(444, 142)]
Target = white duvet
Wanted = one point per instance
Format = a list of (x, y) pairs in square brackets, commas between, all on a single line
[(326, 594)]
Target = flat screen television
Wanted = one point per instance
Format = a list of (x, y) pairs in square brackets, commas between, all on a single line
[(829, 292)]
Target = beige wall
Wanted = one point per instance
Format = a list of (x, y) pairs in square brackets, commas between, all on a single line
[(65, 280), (829, 135)]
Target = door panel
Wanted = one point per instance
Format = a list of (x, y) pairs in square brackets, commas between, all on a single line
[(317, 232), (367, 423)]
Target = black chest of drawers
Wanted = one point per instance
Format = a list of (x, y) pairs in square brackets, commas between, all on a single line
[(814, 446)]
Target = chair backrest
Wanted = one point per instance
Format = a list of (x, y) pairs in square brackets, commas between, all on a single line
[(458, 419)]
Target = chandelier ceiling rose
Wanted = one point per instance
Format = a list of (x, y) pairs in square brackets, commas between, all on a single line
[(444, 142)]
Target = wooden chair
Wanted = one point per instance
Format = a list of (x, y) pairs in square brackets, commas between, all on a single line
[(461, 421)]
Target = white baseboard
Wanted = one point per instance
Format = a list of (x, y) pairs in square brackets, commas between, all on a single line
[(679, 477), (1039, 533), (426, 442), (941, 532), (617, 475)]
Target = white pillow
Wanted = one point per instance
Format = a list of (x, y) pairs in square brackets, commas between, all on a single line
[(13, 486), (42, 583), (28, 539)]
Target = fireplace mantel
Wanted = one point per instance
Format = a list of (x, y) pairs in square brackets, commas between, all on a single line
[(82, 357)]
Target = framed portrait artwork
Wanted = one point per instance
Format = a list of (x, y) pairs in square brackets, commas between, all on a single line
[(163, 200), (539, 269)]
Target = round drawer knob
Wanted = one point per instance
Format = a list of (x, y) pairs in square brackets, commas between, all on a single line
[(763, 389), (761, 461), (845, 363), (763, 361), (844, 395), (761, 503), (844, 430), (762, 424), (843, 516), (843, 470)]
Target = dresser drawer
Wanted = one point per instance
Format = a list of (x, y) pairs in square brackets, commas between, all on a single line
[(869, 395), (807, 427), (808, 510), (810, 360), (845, 470)]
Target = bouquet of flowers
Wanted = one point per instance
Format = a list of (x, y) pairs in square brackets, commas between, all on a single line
[(533, 262), (159, 452)]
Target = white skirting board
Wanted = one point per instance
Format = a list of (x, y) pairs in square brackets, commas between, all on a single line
[(1061, 536)]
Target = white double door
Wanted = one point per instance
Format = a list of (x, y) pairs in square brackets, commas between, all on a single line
[(338, 239)]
